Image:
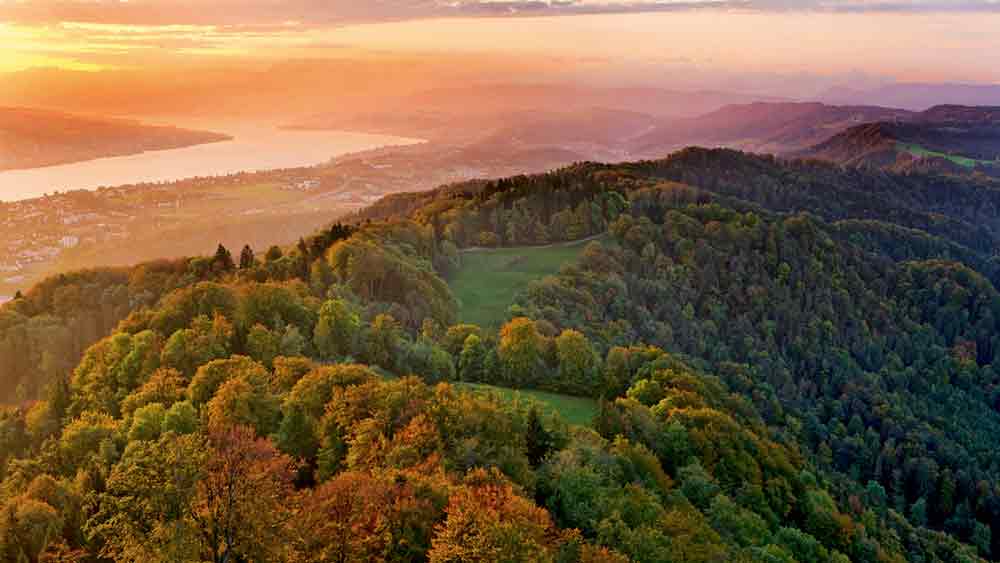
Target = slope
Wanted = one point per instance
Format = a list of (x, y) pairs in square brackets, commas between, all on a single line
[(760, 127), (771, 389)]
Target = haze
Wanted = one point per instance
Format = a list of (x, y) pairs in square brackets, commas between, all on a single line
[(151, 49)]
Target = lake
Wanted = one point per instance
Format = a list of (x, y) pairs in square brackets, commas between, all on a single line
[(254, 148)]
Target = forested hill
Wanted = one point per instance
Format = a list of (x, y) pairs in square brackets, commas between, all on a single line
[(793, 362), (963, 211), (946, 139)]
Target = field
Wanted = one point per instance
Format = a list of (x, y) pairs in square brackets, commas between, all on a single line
[(574, 410), (488, 279), (921, 152)]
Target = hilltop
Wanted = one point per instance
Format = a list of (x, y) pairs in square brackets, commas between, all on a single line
[(946, 139)]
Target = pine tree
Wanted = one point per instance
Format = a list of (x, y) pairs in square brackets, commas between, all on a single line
[(538, 438), (223, 260), (247, 259)]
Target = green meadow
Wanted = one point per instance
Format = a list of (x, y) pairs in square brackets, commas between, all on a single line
[(921, 152), (573, 410), (488, 279)]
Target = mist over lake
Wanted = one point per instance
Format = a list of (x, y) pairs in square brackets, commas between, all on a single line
[(253, 148)]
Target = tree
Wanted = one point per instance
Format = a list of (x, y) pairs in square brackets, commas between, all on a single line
[(263, 345), (455, 337), (246, 403), (432, 330), (288, 370), (27, 526), (207, 339), (83, 438), (520, 352), (337, 330), (166, 386), (918, 512), (181, 418), (147, 422), (362, 517), (488, 521), (488, 239), (147, 510), (247, 260), (578, 363), (223, 260), (273, 254), (241, 508), (537, 438), (211, 376), (292, 342), (471, 359), (321, 276), (111, 369), (981, 538), (382, 342), (187, 498)]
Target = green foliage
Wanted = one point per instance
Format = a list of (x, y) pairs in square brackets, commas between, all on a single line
[(820, 395), (113, 368), (244, 401), (391, 269), (337, 330), (471, 360), (212, 375), (181, 418), (521, 351), (206, 340), (147, 422)]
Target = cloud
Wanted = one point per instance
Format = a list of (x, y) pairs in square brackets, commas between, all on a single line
[(337, 12)]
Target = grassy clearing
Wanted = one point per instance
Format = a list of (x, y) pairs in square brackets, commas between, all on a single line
[(489, 279), (921, 152), (574, 410)]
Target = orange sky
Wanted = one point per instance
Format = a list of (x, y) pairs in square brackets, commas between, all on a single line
[(931, 46), (942, 45)]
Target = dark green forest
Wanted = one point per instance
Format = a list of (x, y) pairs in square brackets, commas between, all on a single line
[(793, 362)]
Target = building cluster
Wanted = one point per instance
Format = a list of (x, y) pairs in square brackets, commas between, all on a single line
[(38, 231)]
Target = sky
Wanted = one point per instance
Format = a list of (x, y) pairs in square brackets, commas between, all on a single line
[(689, 43)]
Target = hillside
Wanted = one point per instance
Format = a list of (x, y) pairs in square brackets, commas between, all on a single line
[(32, 138), (871, 144), (943, 139), (792, 362), (760, 127)]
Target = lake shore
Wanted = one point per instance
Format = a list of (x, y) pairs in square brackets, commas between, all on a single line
[(253, 148)]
